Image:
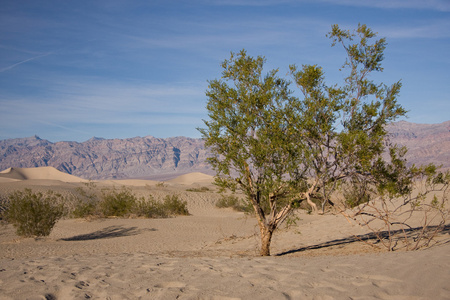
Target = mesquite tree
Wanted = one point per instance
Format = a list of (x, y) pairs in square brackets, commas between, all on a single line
[(344, 127), (281, 150)]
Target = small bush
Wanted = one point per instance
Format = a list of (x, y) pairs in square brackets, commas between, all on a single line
[(85, 209), (235, 203), (355, 196), (198, 190), (171, 206), (3, 206), (87, 203), (34, 214), (150, 209), (123, 203), (174, 206), (117, 203)]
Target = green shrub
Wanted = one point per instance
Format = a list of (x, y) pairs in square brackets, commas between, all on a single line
[(34, 213), (356, 195), (87, 202), (199, 190), (3, 206), (171, 206), (123, 203), (85, 209), (235, 203), (150, 209), (174, 206), (117, 203)]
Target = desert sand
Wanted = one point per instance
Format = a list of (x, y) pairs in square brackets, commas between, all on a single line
[(211, 254)]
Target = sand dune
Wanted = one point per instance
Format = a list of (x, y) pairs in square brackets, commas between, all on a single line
[(141, 276), (46, 173), (211, 254), (209, 257), (6, 179), (50, 173), (129, 182), (192, 178)]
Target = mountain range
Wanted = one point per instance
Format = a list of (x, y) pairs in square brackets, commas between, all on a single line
[(156, 158)]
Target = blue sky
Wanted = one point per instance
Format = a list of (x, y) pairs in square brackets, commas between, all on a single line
[(71, 70)]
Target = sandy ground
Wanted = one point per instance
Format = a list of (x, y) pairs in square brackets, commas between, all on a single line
[(211, 254)]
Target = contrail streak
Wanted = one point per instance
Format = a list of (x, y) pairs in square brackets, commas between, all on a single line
[(24, 61)]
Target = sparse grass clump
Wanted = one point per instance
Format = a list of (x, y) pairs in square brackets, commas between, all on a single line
[(161, 184), (34, 213), (235, 203), (199, 190)]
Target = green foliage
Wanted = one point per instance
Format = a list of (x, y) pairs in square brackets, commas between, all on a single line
[(171, 206), (198, 190), (34, 213), (280, 150), (87, 202), (123, 203), (174, 206), (344, 127), (248, 131), (393, 177), (117, 203), (235, 203), (356, 194), (150, 208), (85, 209)]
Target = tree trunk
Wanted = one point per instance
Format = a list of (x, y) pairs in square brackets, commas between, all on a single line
[(312, 204), (266, 238)]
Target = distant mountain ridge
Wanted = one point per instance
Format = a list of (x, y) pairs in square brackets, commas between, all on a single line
[(139, 157), (426, 143), (156, 158)]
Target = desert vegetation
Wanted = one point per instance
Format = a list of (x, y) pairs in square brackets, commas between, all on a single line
[(35, 213), (199, 189), (282, 151), (408, 218), (234, 202)]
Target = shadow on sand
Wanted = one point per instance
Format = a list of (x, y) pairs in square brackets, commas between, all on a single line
[(369, 236), (108, 233)]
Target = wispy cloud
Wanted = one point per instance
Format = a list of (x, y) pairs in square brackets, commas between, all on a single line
[(65, 128), (433, 29), (24, 61), (125, 64), (75, 100)]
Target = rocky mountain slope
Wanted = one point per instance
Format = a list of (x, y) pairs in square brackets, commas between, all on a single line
[(426, 143), (155, 158), (97, 158)]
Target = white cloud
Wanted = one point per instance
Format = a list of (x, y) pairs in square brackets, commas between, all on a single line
[(106, 102), (433, 29)]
